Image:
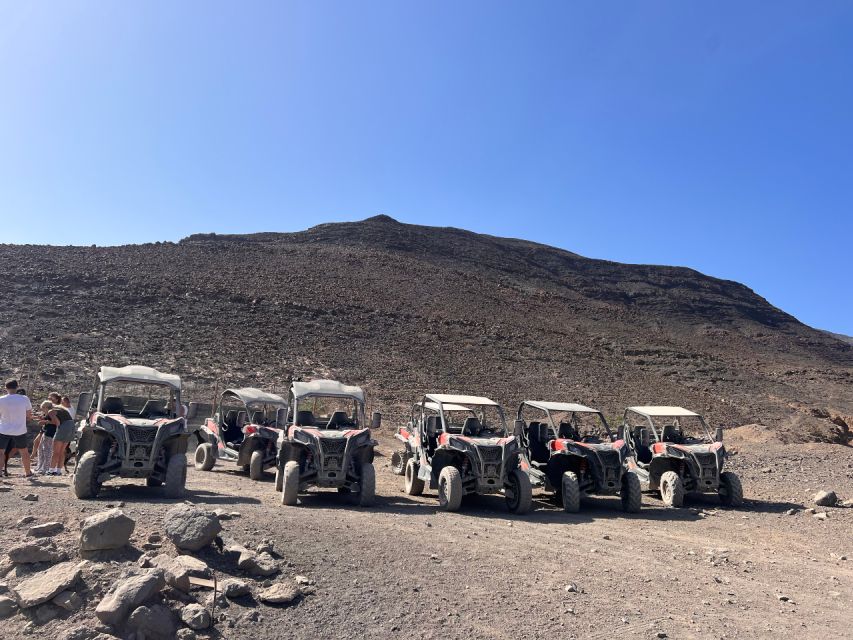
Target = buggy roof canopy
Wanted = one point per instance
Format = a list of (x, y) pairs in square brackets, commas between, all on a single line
[(663, 412), (445, 398), (138, 373), (327, 388), (447, 406), (560, 406), (251, 395)]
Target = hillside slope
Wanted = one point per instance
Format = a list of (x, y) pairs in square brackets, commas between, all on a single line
[(403, 309)]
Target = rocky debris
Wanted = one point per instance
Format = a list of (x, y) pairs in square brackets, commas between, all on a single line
[(106, 530), (256, 564), (128, 594), (823, 515), (280, 593), (30, 497), (191, 528), (193, 566), (265, 546), (154, 538), (7, 607), (177, 575), (46, 613), (235, 588), (195, 617), (303, 580), (43, 550), (185, 634), (46, 529), (68, 600), (155, 622), (825, 499), (44, 585), (26, 520)]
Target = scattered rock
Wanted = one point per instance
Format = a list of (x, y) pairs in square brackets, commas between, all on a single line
[(572, 588), (235, 588), (37, 551), (155, 537), (30, 497), (195, 616), (280, 593), (44, 585), (176, 573), (154, 622), (262, 564), (106, 530), (26, 520), (128, 594), (265, 547), (194, 566), (825, 499), (7, 607), (185, 634), (222, 514), (46, 529), (68, 600), (191, 528), (823, 515), (303, 580), (45, 614), (152, 546), (791, 512)]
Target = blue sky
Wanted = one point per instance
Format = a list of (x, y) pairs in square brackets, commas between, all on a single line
[(713, 135)]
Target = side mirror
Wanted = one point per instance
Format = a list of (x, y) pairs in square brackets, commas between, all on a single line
[(644, 437), (620, 432), (376, 420), (718, 435), (84, 403), (518, 430)]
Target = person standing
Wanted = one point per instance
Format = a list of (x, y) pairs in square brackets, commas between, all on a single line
[(56, 415), (66, 403), (15, 410), (43, 447)]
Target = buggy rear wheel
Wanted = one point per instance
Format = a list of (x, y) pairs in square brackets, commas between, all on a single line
[(414, 485), (571, 492), (518, 492), (256, 465), (290, 484), (204, 457), (279, 477), (85, 482), (367, 485), (176, 475), (672, 489), (450, 488), (731, 489), (631, 493), (398, 462), (153, 482)]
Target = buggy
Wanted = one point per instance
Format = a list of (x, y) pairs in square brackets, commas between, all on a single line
[(244, 429), (570, 450), (459, 445), (328, 444), (673, 451), (134, 428)]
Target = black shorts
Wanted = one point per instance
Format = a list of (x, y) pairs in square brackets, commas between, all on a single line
[(18, 442)]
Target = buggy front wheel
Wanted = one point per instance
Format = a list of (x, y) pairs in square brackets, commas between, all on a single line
[(672, 489), (731, 489), (518, 492), (86, 483), (631, 493), (367, 485), (450, 488), (290, 484), (204, 457), (256, 465), (414, 485), (176, 475)]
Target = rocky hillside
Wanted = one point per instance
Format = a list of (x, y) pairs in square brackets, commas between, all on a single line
[(403, 309)]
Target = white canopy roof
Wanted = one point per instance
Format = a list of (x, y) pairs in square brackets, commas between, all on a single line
[(251, 395), (327, 388), (447, 406), (138, 373), (445, 398), (560, 406), (665, 412)]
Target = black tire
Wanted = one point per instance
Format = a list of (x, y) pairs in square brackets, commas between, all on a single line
[(85, 482), (671, 489), (450, 489), (290, 484), (176, 476), (256, 465), (205, 457), (570, 492), (414, 486), (398, 462), (153, 483), (731, 489), (518, 492), (631, 493), (367, 485), (279, 478)]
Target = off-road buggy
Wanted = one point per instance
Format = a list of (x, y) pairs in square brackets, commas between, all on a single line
[(460, 446), (244, 429), (570, 450), (132, 429), (328, 444), (673, 451)]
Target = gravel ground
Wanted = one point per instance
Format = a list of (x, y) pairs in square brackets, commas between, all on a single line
[(405, 568)]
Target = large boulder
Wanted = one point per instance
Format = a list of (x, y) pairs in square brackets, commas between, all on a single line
[(191, 528), (106, 530), (43, 550), (280, 593), (825, 499), (155, 622), (177, 575), (44, 585), (195, 616), (128, 594)]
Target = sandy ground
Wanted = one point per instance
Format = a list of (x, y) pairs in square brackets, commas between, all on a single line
[(404, 568)]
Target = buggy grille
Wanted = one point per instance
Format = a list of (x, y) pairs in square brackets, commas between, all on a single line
[(141, 435), (707, 464), (490, 455), (333, 446), (609, 458)]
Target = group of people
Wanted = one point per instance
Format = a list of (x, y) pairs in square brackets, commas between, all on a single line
[(57, 430)]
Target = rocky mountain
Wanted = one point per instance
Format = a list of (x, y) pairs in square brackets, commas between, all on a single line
[(403, 309)]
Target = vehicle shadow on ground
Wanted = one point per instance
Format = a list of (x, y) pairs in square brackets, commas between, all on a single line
[(706, 501), (140, 493)]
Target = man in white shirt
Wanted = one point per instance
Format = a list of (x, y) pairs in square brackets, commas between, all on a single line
[(15, 410)]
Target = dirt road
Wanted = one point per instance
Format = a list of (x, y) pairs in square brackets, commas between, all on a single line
[(405, 569)]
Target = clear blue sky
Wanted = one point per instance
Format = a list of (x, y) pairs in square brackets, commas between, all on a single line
[(713, 135)]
